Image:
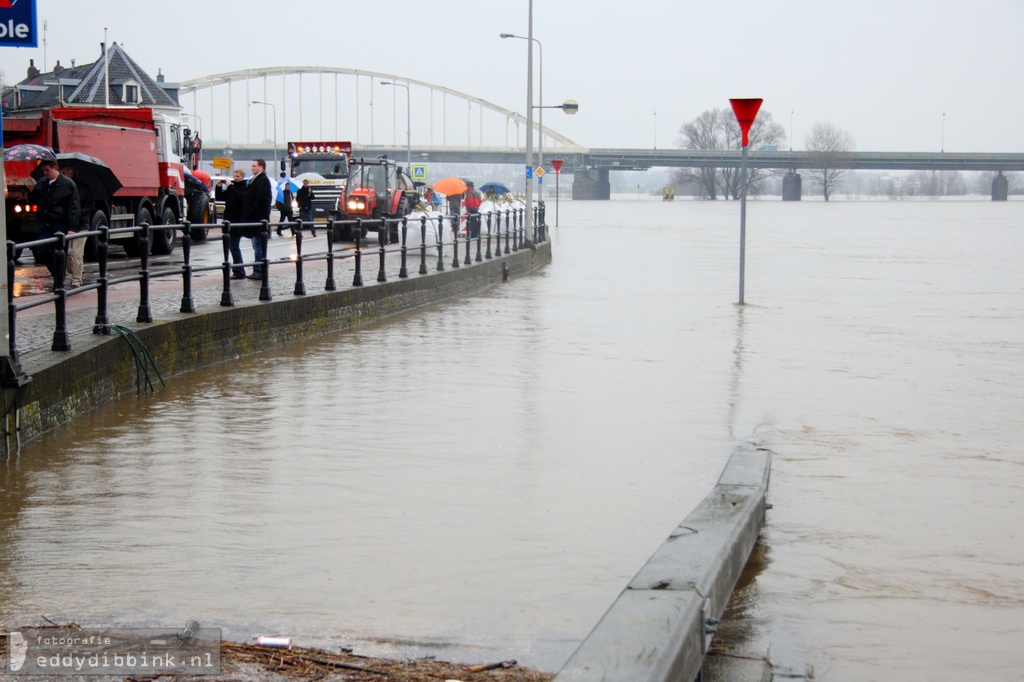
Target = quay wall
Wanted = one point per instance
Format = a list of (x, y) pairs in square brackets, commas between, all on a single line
[(102, 368), (660, 627)]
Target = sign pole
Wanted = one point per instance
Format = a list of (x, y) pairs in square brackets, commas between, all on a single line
[(557, 165), (746, 111), (21, 30)]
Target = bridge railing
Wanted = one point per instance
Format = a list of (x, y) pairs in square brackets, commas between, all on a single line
[(436, 233)]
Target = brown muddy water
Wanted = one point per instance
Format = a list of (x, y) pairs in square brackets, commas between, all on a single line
[(480, 479)]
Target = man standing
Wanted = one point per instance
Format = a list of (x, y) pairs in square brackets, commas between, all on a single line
[(76, 247), (305, 198), (259, 197), (285, 207), (473, 201), (59, 211), (233, 197)]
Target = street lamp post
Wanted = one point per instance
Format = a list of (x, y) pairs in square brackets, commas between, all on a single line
[(274, 110), (540, 96), (408, 119)]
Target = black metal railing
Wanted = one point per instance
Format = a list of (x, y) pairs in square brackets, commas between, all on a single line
[(505, 227)]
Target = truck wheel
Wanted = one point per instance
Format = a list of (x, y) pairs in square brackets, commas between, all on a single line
[(92, 254), (199, 213), (131, 245), (17, 255), (163, 240)]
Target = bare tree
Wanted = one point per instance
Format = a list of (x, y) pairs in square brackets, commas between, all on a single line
[(700, 133), (718, 129), (828, 142), (763, 133)]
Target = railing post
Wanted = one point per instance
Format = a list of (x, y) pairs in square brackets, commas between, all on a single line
[(382, 239), (402, 271), (469, 244), (455, 241), (225, 237), (300, 285), (145, 313), (508, 225), (12, 309), (518, 225), (61, 341), (329, 284), (423, 244), (357, 278), (102, 323), (187, 304), (440, 243), (264, 237), (497, 236), (490, 214), (479, 239)]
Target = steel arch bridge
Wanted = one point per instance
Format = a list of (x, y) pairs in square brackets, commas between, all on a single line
[(244, 107)]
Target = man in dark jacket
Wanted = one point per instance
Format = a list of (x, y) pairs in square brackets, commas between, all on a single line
[(285, 205), (59, 210), (233, 197), (259, 198), (305, 198)]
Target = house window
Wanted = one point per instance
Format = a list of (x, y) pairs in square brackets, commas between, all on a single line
[(131, 94)]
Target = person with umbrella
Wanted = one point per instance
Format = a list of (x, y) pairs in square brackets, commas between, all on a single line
[(59, 209)]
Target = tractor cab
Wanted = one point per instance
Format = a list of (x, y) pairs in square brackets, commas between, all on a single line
[(378, 189)]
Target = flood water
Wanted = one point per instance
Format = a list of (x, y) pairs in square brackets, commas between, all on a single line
[(480, 479)]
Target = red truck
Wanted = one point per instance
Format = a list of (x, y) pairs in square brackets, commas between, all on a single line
[(147, 151)]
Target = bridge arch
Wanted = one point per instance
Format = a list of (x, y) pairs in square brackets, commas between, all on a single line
[(357, 109)]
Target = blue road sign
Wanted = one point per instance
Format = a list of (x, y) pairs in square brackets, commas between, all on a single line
[(18, 23), (529, 172)]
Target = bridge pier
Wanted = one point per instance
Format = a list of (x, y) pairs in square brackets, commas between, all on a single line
[(1000, 187), (792, 186), (592, 183)]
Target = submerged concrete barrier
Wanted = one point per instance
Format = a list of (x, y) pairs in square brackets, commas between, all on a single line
[(661, 625), (101, 368)]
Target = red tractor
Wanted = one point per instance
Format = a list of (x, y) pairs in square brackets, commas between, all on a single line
[(376, 189)]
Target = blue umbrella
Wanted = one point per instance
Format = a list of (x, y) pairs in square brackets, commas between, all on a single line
[(494, 188), (279, 196)]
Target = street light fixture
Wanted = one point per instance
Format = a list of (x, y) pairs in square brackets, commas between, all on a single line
[(274, 109), (408, 122)]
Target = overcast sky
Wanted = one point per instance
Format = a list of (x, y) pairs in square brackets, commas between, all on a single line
[(899, 75)]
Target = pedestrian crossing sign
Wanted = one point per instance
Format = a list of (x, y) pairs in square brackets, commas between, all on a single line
[(419, 171)]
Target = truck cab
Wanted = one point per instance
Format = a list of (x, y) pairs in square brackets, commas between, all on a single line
[(325, 165)]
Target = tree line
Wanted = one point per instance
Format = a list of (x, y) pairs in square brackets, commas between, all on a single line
[(717, 129)]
